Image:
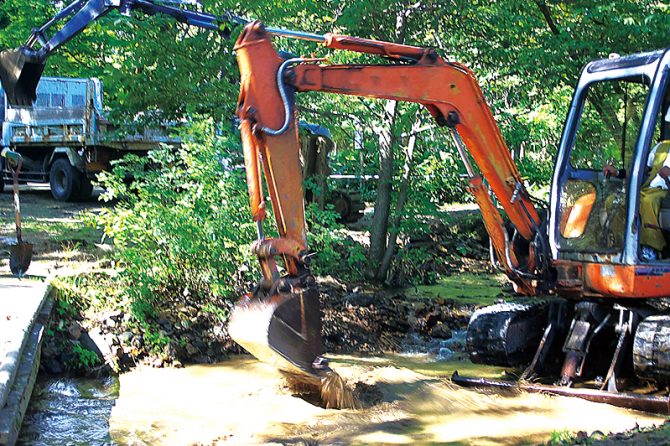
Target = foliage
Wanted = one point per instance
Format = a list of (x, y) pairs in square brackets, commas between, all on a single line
[(74, 299), (181, 227), (335, 252), (84, 357), (561, 438), (526, 55)]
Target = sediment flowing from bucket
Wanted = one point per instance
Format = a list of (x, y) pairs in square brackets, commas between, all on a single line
[(335, 394), (332, 391)]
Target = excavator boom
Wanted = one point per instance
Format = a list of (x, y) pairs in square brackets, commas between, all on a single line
[(449, 91)]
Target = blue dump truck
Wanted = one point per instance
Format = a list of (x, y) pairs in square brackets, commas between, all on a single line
[(65, 139)]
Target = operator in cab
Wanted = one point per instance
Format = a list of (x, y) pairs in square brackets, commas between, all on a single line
[(654, 189)]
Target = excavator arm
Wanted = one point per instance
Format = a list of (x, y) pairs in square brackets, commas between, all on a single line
[(449, 91), (21, 69)]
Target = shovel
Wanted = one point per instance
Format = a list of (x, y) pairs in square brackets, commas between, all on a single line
[(21, 253), (284, 330), (20, 72)]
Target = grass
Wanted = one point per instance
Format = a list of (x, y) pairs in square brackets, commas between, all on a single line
[(476, 289), (61, 231)]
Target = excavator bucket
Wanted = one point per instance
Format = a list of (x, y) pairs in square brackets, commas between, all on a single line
[(20, 75), (283, 330)]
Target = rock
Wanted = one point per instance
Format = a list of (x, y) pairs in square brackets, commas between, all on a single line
[(86, 341), (191, 349), (412, 321), (440, 331), (137, 341), (418, 307), (433, 318), (360, 300), (118, 352), (177, 364), (219, 331), (126, 337), (170, 350), (165, 324), (52, 366), (329, 281), (74, 330)]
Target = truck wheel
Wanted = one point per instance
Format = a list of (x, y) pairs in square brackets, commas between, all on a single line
[(342, 205), (65, 180), (85, 189)]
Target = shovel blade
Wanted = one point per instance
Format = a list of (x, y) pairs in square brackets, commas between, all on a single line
[(20, 73), (283, 331), (20, 256)]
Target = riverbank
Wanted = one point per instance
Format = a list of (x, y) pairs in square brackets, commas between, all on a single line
[(357, 318)]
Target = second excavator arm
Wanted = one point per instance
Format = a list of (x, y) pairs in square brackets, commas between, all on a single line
[(21, 69)]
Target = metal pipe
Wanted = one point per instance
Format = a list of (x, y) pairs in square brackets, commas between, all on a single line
[(296, 34), (463, 152), (645, 403)]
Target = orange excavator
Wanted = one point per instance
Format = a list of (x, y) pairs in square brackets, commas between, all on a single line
[(596, 307)]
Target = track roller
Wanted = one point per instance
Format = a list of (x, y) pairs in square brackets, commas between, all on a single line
[(651, 349), (506, 334)]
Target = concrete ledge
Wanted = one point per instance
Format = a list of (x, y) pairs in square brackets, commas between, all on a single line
[(21, 341), (20, 303)]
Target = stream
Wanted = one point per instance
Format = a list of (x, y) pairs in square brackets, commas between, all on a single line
[(242, 401)]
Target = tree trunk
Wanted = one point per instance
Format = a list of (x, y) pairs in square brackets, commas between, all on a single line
[(387, 141), (382, 273), (380, 219)]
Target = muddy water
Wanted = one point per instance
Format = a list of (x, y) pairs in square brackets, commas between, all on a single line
[(243, 402)]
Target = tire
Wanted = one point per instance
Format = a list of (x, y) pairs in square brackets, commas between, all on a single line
[(85, 189), (342, 205), (2, 180), (65, 180)]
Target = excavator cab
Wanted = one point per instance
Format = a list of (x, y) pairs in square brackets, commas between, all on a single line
[(20, 73), (618, 117)]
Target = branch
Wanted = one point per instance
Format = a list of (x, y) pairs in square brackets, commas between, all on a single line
[(544, 9)]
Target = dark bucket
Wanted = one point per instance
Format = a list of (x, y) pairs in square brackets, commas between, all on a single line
[(20, 74), (283, 330)]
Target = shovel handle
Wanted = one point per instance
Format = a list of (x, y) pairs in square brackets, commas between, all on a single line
[(17, 204)]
